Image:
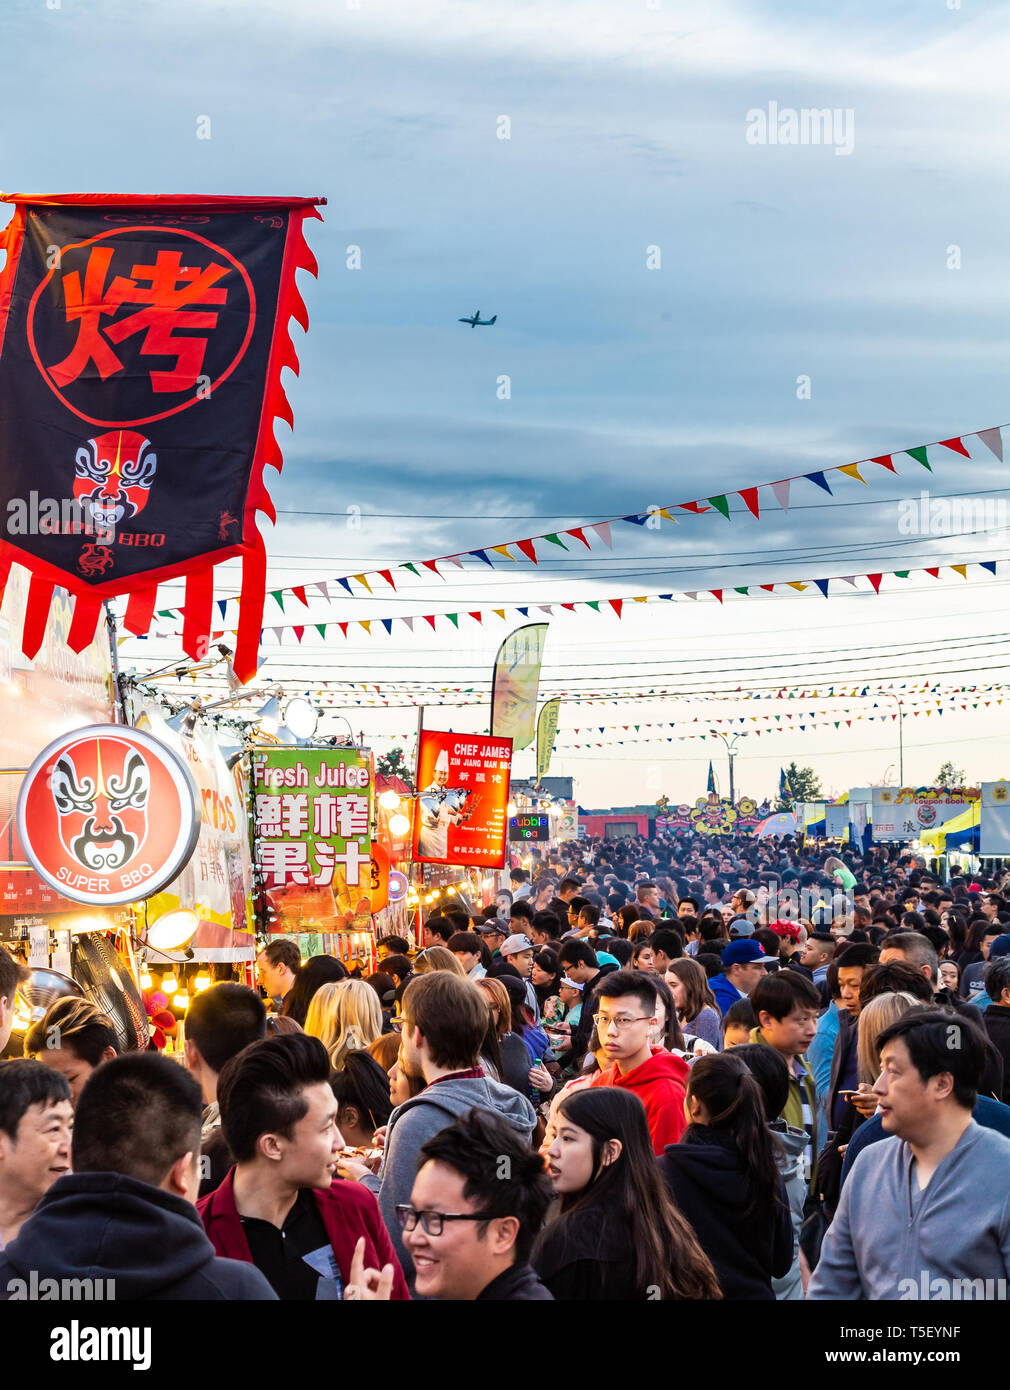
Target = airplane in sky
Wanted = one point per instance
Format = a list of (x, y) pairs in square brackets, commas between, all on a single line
[(473, 322)]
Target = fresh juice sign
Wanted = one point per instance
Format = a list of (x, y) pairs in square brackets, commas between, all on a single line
[(313, 812)]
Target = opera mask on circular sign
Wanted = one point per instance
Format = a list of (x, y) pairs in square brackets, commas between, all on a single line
[(107, 814)]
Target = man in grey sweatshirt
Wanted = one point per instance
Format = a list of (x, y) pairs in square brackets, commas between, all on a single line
[(445, 1020), (924, 1214)]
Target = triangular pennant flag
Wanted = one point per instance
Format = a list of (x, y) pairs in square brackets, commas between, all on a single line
[(956, 445), (546, 608), (822, 584), (501, 613), (321, 629), (768, 588), (454, 560), (962, 570), (875, 581), (362, 580), (902, 574), (743, 590), (716, 593), (750, 497), (482, 555), (851, 470), (431, 565), (569, 606), (527, 549), (820, 480), (885, 462), (388, 577), (409, 622), (616, 604), (934, 574), (594, 604), (691, 593), (343, 627), (524, 611), (781, 491), (429, 619), (797, 585), (222, 604), (366, 623), (602, 529), (554, 540), (989, 565), (346, 584), (919, 454), (475, 616), (277, 595), (299, 633), (721, 505), (695, 507), (323, 588), (577, 532), (387, 623), (637, 520), (407, 565), (849, 579), (503, 550), (993, 441), (278, 632), (299, 593)]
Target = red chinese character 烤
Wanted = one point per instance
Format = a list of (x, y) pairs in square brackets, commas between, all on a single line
[(170, 296)]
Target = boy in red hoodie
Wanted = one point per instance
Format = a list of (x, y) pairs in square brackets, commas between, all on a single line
[(627, 1015)]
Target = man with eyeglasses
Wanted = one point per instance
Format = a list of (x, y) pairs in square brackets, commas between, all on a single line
[(627, 1014), (477, 1204)]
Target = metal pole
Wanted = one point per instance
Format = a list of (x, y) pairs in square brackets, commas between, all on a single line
[(117, 684), (901, 747), (732, 797)]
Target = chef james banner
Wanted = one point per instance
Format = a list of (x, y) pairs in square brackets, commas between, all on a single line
[(463, 792), (516, 683), (141, 346)]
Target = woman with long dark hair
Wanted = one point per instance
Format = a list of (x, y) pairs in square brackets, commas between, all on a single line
[(725, 1172), (618, 1235), (696, 1007)]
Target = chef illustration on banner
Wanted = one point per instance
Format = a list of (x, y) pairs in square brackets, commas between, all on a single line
[(440, 807)]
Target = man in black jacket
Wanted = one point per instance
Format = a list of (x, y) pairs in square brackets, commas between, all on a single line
[(996, 1018), (477, 1205), (578, 962), (125, 1216)]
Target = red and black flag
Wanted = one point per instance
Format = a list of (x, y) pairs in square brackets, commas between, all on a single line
[(141, 347)]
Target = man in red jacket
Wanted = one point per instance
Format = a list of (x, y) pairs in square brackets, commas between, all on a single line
[(279, 1208), (626, 1016)]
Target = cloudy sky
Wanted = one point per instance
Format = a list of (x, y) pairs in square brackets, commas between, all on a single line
[(662, 285)]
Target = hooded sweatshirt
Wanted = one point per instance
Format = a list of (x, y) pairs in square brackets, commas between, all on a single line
[(889, 1240), (149, 1242), (416, 1121), (660, 1084), (712, 1187)]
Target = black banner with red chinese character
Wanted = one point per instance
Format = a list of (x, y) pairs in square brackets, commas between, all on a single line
[(141, 345)]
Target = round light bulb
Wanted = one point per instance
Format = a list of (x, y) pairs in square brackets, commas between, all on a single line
[(399, 825), (301, 717), (168, 984), (389, 800), (181, 1001)]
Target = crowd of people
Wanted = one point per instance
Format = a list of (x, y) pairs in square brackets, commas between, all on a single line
[(682, 1068)]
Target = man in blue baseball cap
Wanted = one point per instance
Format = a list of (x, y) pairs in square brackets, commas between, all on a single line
[(743, 964)]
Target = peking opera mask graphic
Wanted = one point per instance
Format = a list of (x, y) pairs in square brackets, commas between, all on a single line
[(108, 814), (113, 474), (101, 793)]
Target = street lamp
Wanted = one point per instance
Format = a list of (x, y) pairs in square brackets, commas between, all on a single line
[(731, 741)]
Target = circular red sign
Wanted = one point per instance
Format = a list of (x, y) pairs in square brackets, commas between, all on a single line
[(107, 815)]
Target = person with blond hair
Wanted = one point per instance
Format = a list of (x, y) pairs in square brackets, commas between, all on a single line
[(437, 958), (73, 1038), (346, 1017)]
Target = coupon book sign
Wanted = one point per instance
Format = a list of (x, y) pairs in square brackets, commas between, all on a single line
[(463, 782), (313, 810)]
